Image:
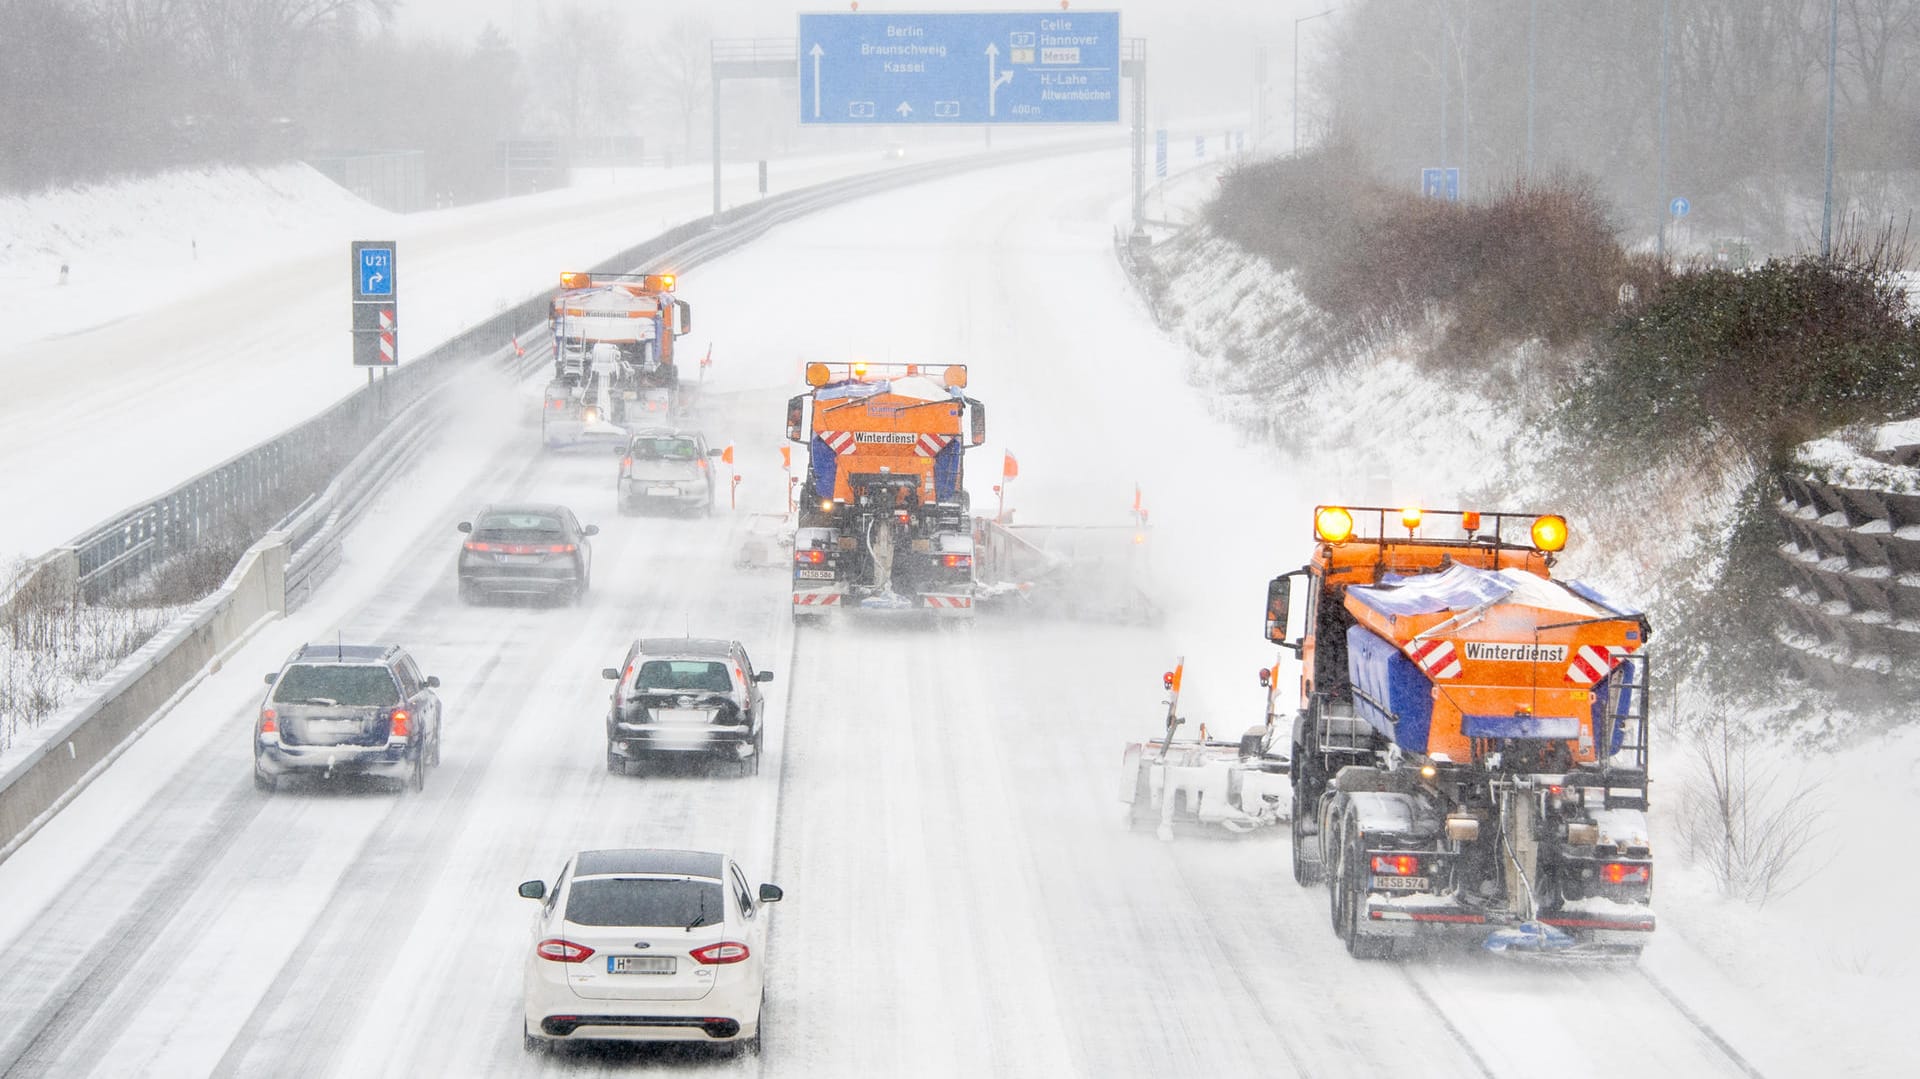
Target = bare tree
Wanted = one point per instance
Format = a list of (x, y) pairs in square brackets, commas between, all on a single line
[(679, 69), (1751, 823)]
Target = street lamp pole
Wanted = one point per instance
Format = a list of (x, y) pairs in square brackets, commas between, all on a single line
[(1666, 21), (1533, 12), (1833, 55), (1296, 75)]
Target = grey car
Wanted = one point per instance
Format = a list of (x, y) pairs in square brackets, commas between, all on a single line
[(348, 709), (526, 549), (667, 470), (686, 696)]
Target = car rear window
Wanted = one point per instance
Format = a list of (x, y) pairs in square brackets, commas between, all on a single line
[(645, 901), (669, 449), (321, 683), (519, 522), (702, 675)]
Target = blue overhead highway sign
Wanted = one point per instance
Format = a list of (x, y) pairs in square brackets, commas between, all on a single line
[(960, 68)]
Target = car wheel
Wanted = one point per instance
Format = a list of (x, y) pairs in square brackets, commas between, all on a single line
[(759, 748), (417, 778), (616, 764), (434, 758), (528, 1042), (626, 508), (263, 782)]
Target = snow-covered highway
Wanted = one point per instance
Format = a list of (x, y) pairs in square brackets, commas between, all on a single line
[(961, 896)]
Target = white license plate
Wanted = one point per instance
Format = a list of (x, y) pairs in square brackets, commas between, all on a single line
[(814, 574), (1400, 884), (664, 492), (639, 964), (519, 559)]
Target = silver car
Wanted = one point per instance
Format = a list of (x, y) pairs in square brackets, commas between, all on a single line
[(678, 696), (668, 470)]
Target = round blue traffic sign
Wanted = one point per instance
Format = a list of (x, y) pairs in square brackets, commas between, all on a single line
[(1679, 207)]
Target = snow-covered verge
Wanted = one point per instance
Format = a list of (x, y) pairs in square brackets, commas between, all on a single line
[(1376, 417)]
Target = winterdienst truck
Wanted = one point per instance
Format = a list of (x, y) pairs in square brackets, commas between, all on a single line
[(1469, 757)]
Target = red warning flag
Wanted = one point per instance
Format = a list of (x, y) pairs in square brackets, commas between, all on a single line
[(707, 360), (517, 350), (727, 454), (1010, 468), (786, 458)]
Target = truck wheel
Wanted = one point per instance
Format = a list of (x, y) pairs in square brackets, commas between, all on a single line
[(1336, 869), (1305, 870)]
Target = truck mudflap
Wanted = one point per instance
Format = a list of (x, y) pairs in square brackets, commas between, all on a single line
[(1205, 784)]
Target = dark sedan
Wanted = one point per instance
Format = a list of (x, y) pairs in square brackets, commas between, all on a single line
[(526, 550)]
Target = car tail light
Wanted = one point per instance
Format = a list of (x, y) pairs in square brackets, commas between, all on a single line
[(702, 462), (1396, 865), (626, 463), (726, 951), (957, 561), (269, 721), (562, 951), (556, 402), (471, 546), (1622, 873), (561, 548), (811, 558), (399, 723)]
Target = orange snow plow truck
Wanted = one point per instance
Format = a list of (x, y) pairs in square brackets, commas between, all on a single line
[(884, 522), (1470, 753)]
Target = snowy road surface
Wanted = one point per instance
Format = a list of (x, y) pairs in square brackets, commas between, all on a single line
[(961, 896)]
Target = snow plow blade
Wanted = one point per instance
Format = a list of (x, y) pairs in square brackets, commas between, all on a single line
[(1069, 571), (1203, 786)]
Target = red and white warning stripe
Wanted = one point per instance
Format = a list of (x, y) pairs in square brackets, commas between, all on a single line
[(1435, 656), (840, 442), (1592, 663), (816, 599), (949, 601), (386, 335), (931, 445)]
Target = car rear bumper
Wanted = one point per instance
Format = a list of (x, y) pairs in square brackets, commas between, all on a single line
[(642, 493), (730, 1012), (635, 740), (506, 583), (394, 760)]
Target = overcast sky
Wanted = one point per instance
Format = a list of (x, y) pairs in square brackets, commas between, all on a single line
[(1200, 52)]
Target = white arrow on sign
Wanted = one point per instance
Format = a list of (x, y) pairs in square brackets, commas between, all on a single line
[(816, 52), (995, 79), (373, 281), (905, 110)]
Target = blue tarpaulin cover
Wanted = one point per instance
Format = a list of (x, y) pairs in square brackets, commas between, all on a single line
[(1459, 588)]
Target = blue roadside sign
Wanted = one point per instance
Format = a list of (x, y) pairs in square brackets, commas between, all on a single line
[(1440, 184), (375, 270), (960, 68), (1160, 153), (1680, 207)]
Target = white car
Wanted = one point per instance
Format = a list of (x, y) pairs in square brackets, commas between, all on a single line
[(647, 945)]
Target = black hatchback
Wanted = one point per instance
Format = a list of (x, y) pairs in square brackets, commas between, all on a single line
[(526, 549)]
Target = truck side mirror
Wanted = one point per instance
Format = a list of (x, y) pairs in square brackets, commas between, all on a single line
[(977, 413), (685, 321), (796, 417), (1279, 593)]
